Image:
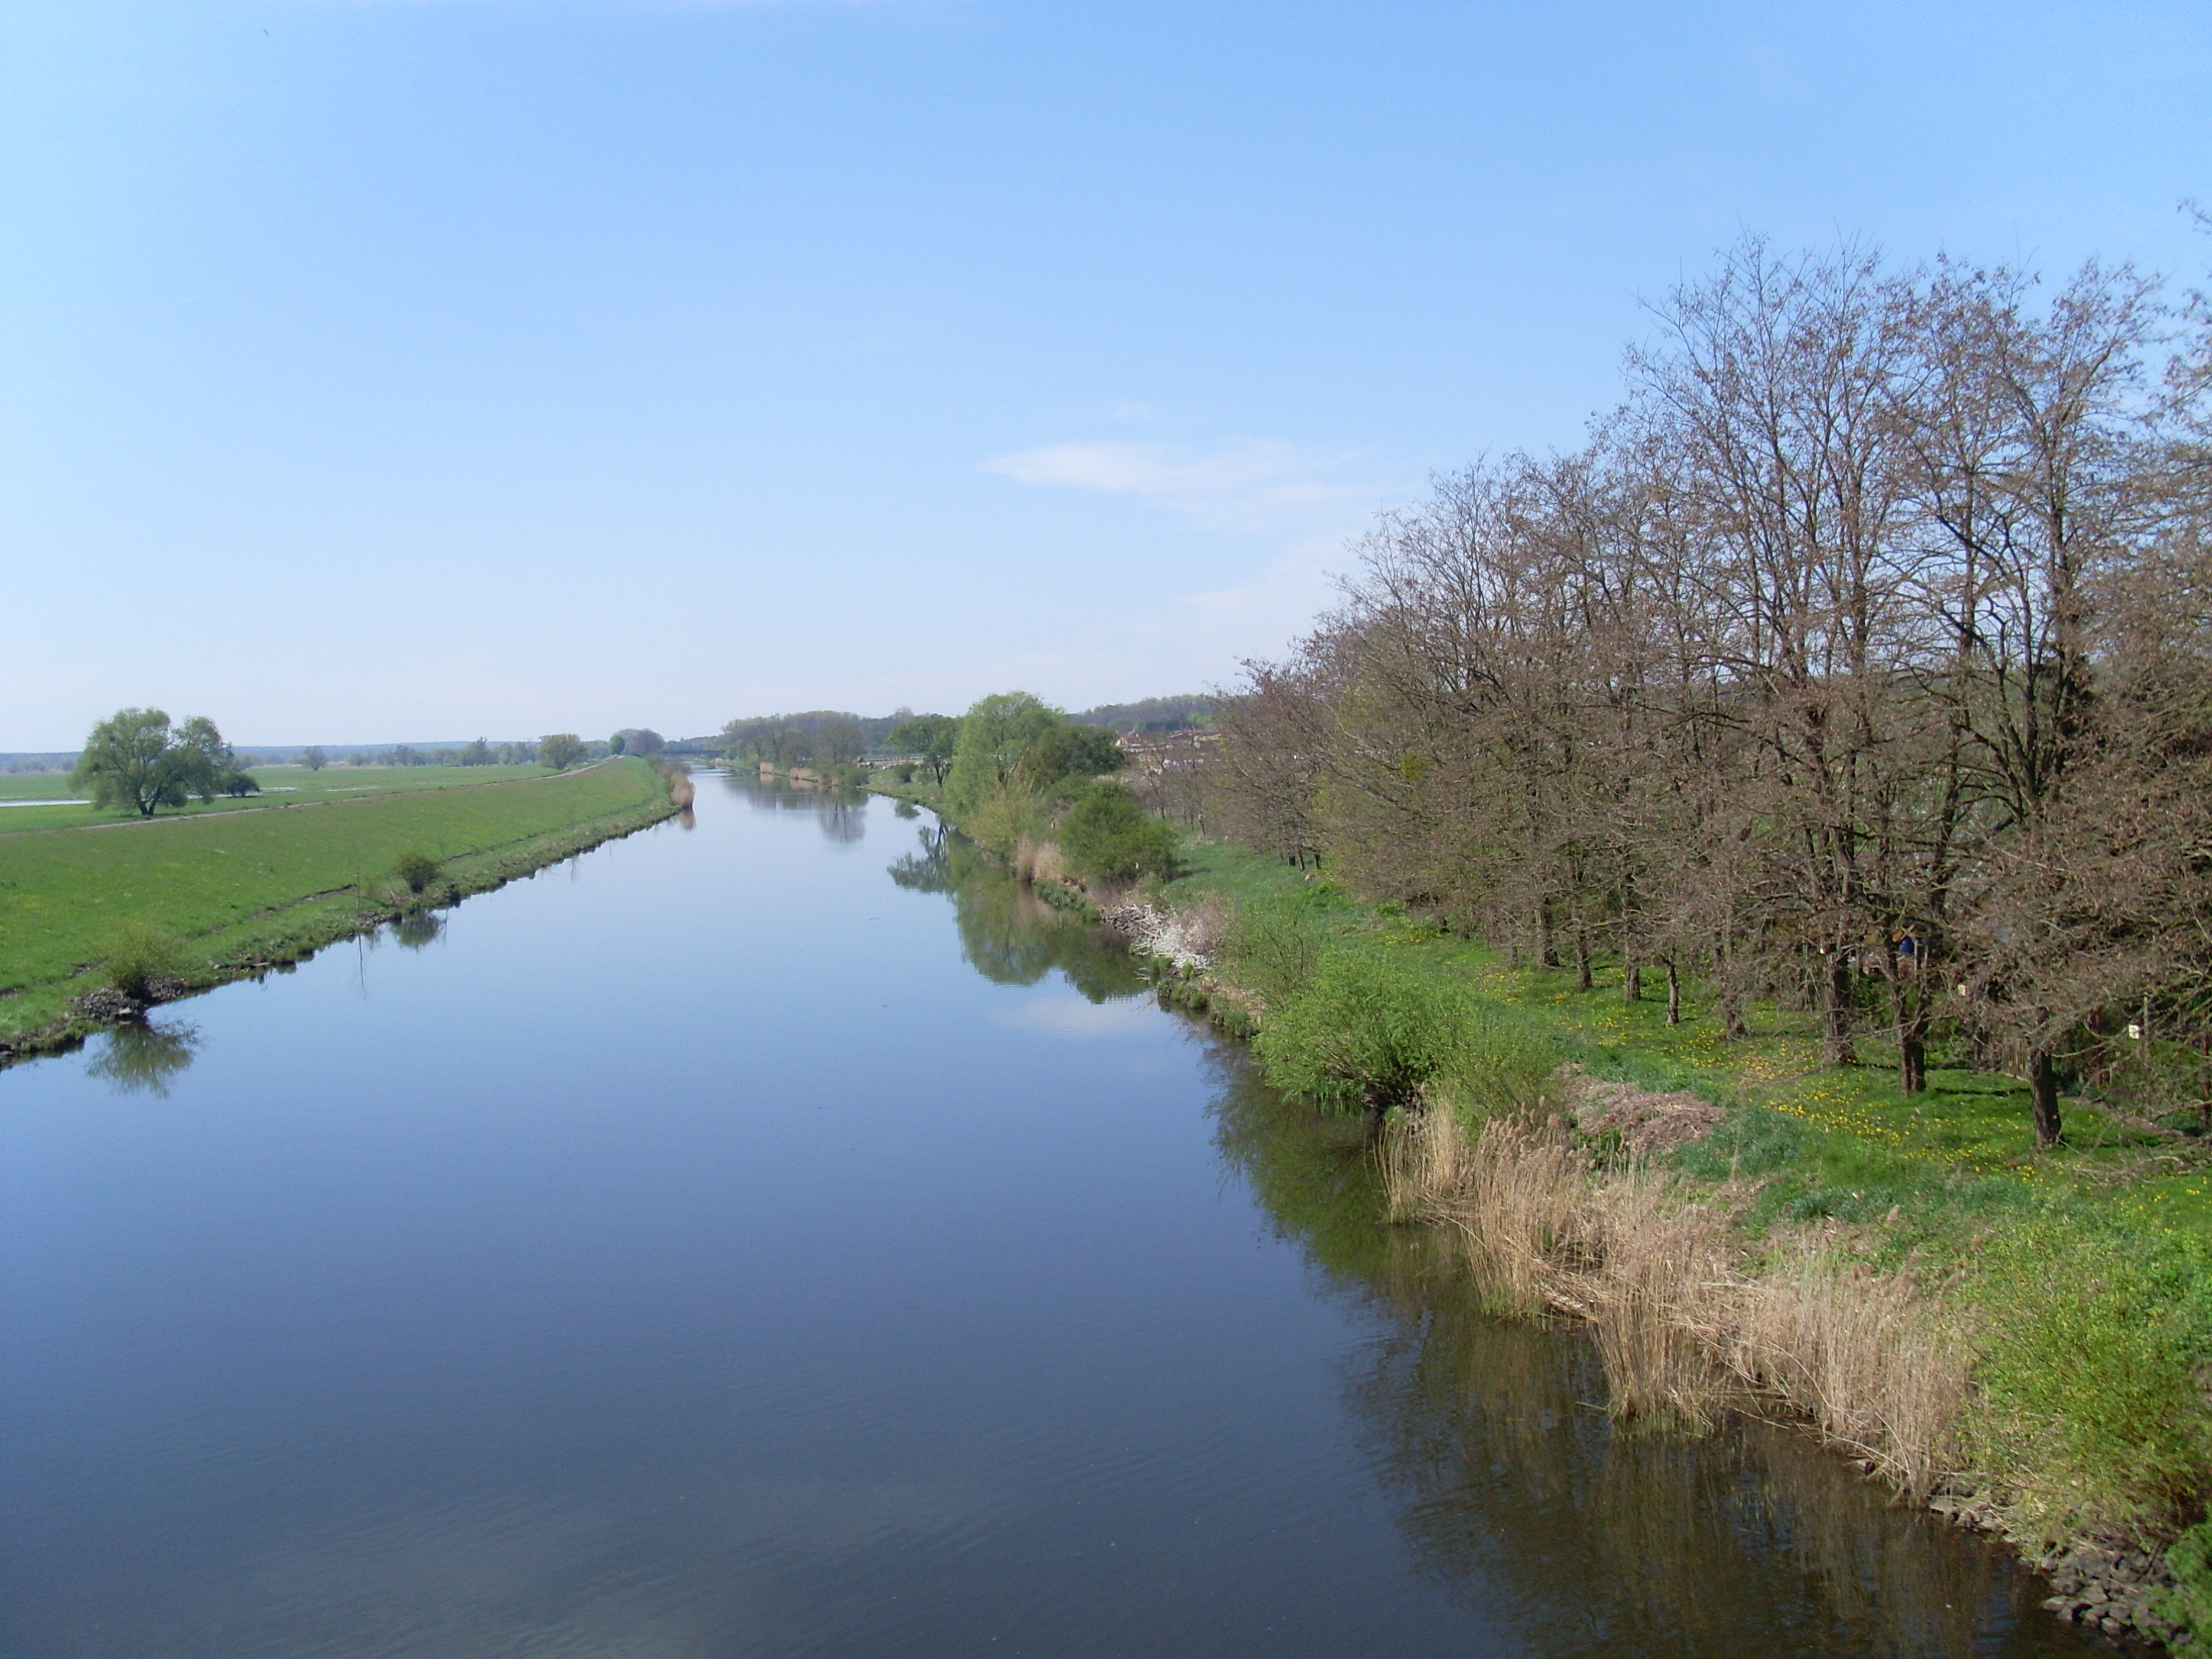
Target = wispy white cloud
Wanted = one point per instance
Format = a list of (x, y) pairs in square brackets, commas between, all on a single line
[(1256, 487)]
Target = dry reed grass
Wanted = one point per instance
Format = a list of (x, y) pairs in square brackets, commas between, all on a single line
[(1655, 1260), (1868, 1359), (1688, 1326)]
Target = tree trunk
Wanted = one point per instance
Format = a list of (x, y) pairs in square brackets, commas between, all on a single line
[(1732, 1028), (1836, 1010), (2043, 1090), (1908, 1006), (1631, 972), (1581, 953), (1673, 993), (1547, 947)]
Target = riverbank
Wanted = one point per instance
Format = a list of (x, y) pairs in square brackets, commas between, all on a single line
[(2018, 1339), (2014, 1337), (236, 894)]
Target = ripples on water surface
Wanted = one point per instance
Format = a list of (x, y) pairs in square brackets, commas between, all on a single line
[(777, 1237)]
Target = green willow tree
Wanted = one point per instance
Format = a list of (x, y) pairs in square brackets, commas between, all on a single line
[(560, 750), (930, 738), (133, 759)]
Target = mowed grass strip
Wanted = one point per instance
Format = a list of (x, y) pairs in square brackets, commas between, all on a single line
[(62, 892)]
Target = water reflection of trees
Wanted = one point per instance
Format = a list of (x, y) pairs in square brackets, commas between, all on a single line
[(841, 813), (1007, 933), (419, 929), (144, 1057), (1514, 1487)]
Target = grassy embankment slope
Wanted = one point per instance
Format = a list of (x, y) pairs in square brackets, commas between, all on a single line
[(243, 889)]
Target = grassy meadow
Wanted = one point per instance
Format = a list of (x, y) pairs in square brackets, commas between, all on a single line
[(289, 872), (21, 793)]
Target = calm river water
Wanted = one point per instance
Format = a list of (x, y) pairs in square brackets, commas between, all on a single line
[(775, 1237)]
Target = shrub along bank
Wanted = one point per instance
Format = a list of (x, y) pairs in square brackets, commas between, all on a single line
[(2022, 1338), (1035, 790), (192, 902)]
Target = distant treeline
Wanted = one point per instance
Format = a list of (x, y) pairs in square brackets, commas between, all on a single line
[(1152, 714), (1862, 658), (827, 735), (480, 753), (1026, 782)]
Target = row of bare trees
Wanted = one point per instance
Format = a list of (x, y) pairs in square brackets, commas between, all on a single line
[(1862, 658)]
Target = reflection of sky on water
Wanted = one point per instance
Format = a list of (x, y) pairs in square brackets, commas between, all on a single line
[(1062, 1016)]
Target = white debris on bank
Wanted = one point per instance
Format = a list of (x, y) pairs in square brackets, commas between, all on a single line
[(1181, 937)]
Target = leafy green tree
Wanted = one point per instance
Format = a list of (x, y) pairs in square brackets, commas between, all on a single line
[(930, 738), (476, 754), (240, 783), (994, 736), (774, 740), (840, 742), (1070, 752), (560, 750), (1109, 836), (133, 759), (314, 758)]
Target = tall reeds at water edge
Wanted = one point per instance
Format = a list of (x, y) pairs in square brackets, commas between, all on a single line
[(1687, 1322)]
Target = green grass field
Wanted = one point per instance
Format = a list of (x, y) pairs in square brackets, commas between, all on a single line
[(238, 884), (280, 786)]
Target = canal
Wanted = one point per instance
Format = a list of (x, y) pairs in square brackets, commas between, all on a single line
[(774, 1234)]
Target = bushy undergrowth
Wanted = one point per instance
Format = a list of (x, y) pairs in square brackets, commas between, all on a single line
[(1005, 816), (1371, 1029), (1109, 836), (416, 868), (2190, 1603), (1273, 944), (137, 953), (2094, 1343)]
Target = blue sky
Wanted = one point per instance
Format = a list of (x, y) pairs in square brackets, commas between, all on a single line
[(414, 369)]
